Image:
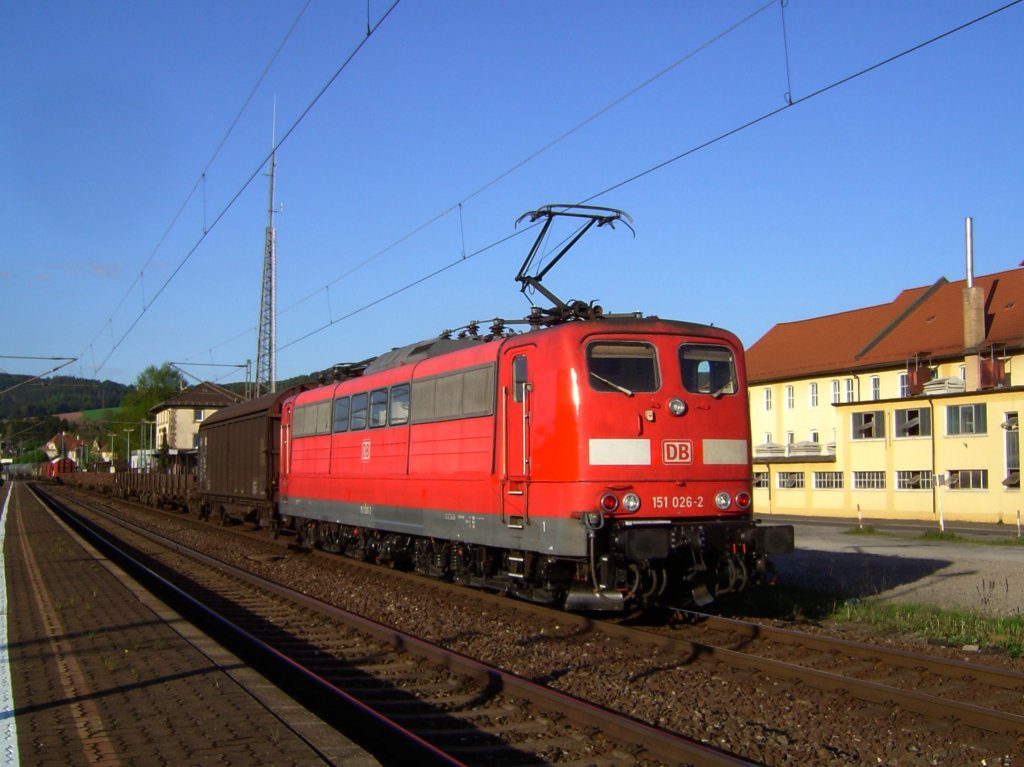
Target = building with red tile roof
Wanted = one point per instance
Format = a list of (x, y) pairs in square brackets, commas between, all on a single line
[(906, 409)]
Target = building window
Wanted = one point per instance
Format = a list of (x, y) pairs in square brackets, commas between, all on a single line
[(790, 438), (835, 392), (828, 480), (1012, 450), (760, 479), (814, 394), (789, 398), (197, 415), (869, 480), (904, 386), (814, 437), (869, 425), (849, 389), (790, 479), (963, 372), (913, 480), (876, 387), (913, 422), (767, 399), (968, 479), (767, 438), (966, 419)]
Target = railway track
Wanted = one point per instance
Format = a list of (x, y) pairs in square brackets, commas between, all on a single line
[(984, 697), (759, 691), (411, 700)]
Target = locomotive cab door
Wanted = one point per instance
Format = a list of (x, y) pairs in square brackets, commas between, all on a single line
[(516, 395)]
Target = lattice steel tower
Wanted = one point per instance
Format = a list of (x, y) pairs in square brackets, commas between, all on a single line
[(266, 353)]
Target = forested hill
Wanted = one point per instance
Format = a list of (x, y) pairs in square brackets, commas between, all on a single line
[(59, 394)]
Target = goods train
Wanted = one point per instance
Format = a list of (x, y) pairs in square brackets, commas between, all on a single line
[(596, 462)]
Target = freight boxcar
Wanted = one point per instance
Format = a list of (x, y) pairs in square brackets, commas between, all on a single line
[(239, 449)]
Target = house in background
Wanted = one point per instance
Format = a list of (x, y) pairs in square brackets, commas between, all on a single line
[(904, 410), (178, 420)]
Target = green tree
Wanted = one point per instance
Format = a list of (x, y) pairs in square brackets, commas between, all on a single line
[(153, 386)]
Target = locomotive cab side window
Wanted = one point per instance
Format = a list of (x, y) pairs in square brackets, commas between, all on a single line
[(707, 369), (399, 410), (378, 408), (622, 366), (341, 410), (357, 419)]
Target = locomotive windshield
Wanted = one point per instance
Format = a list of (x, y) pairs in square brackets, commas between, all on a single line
[(622, 366), (707, 369)]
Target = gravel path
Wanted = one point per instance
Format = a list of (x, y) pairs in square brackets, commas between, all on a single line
[(897, 565)]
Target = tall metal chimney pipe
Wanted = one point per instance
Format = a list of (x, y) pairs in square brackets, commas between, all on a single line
[(969, 226)]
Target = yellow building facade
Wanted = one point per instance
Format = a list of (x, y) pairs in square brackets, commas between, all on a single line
[(912, 413)]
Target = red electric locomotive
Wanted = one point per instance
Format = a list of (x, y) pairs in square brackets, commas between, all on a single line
[(598, 462)]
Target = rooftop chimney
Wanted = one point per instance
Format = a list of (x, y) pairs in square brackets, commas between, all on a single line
[(974, 316), (969, 236)]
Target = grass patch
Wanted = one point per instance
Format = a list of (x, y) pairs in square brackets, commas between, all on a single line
[(941, 535), (954, 627), (946, 537), (864, 530)]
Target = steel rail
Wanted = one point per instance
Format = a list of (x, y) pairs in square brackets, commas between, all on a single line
[(657, 744)]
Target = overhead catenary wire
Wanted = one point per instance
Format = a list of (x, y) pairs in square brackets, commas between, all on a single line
[(521, 163), (790, 102), (200, 182), (803, 99), (231, 202)]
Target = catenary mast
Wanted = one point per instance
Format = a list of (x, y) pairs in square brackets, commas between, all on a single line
[(266, 353)]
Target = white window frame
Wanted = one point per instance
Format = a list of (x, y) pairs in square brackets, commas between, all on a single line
[(978, 420), (967, 479), (869, 480), (783, 478), (828, 480), (913, 480)]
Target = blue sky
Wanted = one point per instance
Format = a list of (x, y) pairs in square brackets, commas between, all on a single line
[(449, 122)]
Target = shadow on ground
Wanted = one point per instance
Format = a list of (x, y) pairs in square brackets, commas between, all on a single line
[(853, 574)]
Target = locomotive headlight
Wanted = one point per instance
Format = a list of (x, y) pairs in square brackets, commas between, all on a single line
[(609, 502), (676, 406), (743, 499), (631, 503), (723, 500)]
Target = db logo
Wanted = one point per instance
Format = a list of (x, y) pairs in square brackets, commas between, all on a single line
[(677, 451), (366, 450)]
